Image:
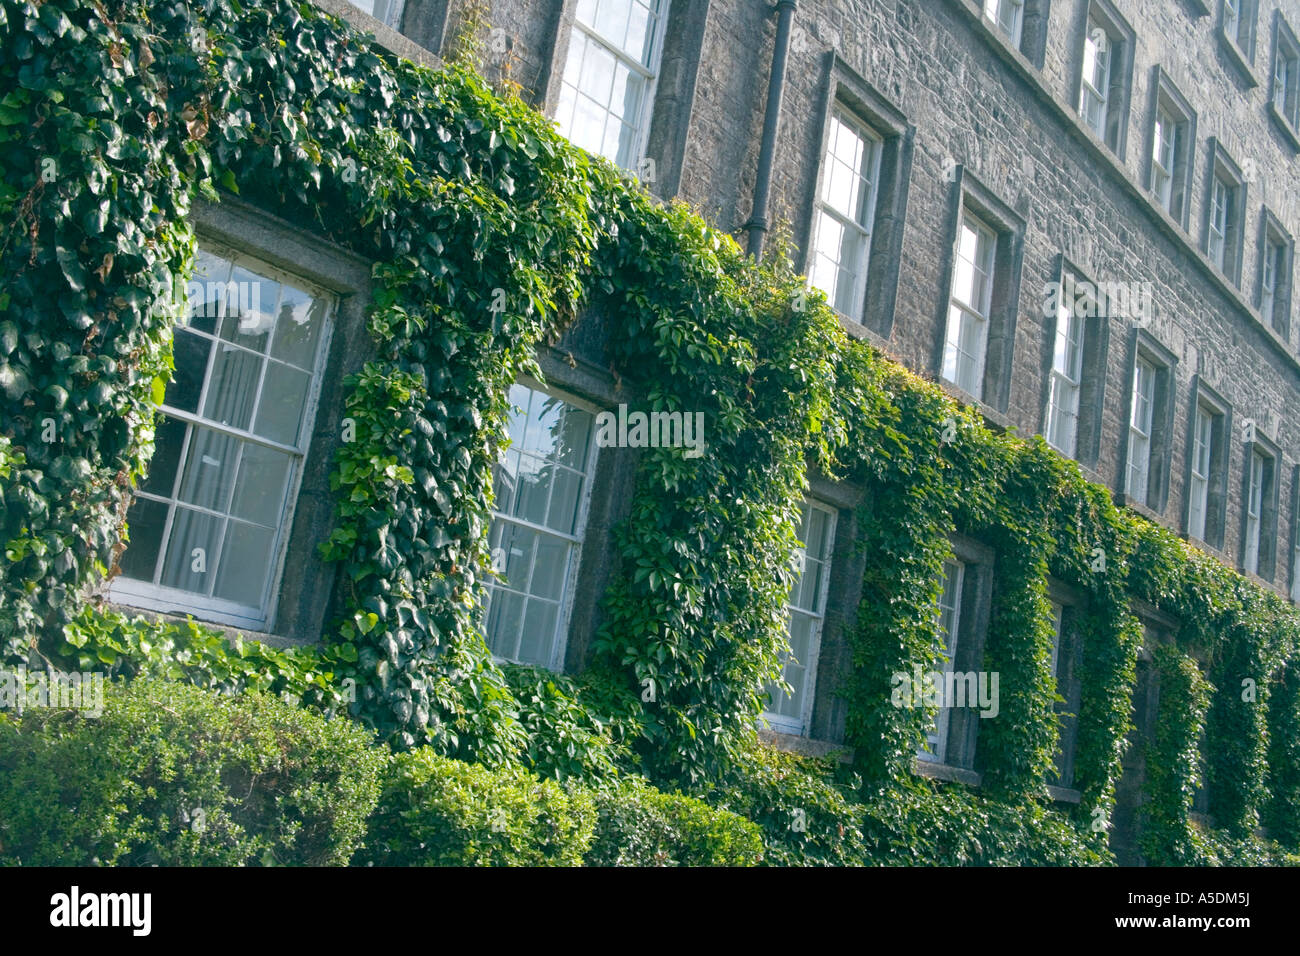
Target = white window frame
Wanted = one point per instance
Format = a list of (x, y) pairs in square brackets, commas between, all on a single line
[(799, 725), (560, 639), (1271, 266), (148, 595), (1066, 381), (1166, 136), (1232, 20), (1217, 241), (387, 12), (1101, 56), (964, 315), (1239, 18), (875, 143), (1141, 416), (1286, 79), (996, 12), (1254, 512), (1058, 621), (935, 749), (1198, 495), (649, 71)]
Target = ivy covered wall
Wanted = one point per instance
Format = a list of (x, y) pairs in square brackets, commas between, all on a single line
[(114, 117)]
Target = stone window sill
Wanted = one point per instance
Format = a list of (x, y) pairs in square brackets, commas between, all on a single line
[(991, 414), (806, 746), (943, 771), (1064, 794), (1289, 131), (230, 633), (390, 39), (1238, 59)]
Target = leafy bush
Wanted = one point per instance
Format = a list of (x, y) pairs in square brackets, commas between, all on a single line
[(438, 811), (639, 826), (189, 651), (945, 825), (565, 737), (173, 774), (805, 817), (1218, 847)]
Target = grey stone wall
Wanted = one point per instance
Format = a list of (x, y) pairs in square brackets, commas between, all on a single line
[(976, 102)]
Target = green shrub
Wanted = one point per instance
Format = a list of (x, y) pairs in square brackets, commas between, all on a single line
[(138, 646), (806, 819), (565, 738), (438, 811), (928, 824), (172, 774), (640, 826), (1218, 848)]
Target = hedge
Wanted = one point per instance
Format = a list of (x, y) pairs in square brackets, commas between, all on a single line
[(171, 774), (490, 234)]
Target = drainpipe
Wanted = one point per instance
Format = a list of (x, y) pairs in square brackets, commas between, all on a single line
[(757, 225)]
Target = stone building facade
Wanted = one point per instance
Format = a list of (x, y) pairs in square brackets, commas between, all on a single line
[(955, 175)]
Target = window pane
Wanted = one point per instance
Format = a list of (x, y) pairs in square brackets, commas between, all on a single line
[(146, 520), (534, 491), (260, 488), (205, 293), (190, 361), (250, 309), (565, 496), (233, 387), (549, 568), (284, 396), (505, 614), (297, 328), (245, 563), (514, 545), (192, 550), (538, 635), (169, 439), (209, 469)]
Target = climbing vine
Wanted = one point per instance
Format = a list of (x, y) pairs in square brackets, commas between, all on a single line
[(490, 236)]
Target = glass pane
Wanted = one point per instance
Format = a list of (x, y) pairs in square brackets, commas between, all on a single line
[(250, 309), (169, 439), (245, 563), (588, 130), (233, 388), (640, 34), (534, 490), (297, 328), (192, 550), (575, 438), (190, 358), (205, 292), (516, 545), (284, 396), (505, 481), (538, 632), (549, 568), (145, 522), (505, 614), (209, 469), (260, 487), (565, 498), (597, 76)]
